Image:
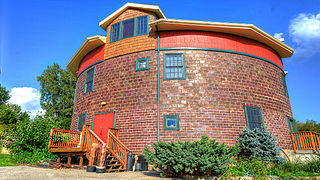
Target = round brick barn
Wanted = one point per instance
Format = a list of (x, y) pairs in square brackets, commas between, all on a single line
[(159, 79)]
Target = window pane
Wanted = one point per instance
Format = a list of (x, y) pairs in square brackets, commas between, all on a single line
[(81, 121), (115, 32), (254, 117), (128, 28), (171, 122), (142, 64), (142, 25), (174, 66), (89, 81)]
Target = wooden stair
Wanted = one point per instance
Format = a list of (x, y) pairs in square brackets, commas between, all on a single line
[(86, 144)]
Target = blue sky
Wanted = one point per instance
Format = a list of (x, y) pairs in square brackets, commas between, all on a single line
[(37, 33)]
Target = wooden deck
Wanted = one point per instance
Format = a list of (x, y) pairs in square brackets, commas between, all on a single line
[(86, 144)]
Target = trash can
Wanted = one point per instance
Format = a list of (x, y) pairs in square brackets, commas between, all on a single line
[(143, 162), (130, 161)]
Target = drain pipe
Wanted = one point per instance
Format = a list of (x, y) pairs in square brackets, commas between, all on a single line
[(158, 85)]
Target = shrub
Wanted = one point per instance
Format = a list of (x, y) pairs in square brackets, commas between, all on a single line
[(28, 140), (259, 143), (204, 157)]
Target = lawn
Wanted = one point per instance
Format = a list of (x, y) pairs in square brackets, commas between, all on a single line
[(5, 160)]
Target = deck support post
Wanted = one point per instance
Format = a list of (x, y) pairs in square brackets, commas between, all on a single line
[(81, 161), (59, 158), (69, 161)]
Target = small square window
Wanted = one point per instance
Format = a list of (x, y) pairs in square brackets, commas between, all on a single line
[(142, 64), (171, 122), (254, 117)]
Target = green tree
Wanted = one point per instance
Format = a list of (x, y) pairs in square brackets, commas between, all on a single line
[(57, 91), (11, 114), (4, 95), (310, 125)]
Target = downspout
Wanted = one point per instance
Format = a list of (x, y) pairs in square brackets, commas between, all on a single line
[(158, 82)]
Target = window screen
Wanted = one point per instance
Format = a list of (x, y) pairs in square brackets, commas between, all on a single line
[(128, 28), (115, 32), (88, 86), (81, 121), (254, 117), (174, 66), (285, 89), (142, 25)]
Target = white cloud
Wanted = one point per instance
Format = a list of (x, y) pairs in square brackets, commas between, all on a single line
[(278, 35), (305, 33), (28, 98)]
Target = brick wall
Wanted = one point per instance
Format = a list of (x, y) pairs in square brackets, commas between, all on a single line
[(133, 95), (133, 44), (209, 102)]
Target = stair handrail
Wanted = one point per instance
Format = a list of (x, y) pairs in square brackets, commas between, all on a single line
[(95, 148), (117, 149)]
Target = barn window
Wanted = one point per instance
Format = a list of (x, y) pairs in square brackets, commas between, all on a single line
[(171, 122), (81, 121), (292, 124), (115, 32), (142, 64), (254, 117), (174, 66), (128, 28), (284, 84), (142, 25), (88, 84)]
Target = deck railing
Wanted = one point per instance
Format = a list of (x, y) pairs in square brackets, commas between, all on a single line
[(87, 141), (64, 138), (118, 149), (305, 141)]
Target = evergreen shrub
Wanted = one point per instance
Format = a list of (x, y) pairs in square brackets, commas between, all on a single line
[(204, 157), (259, 143)]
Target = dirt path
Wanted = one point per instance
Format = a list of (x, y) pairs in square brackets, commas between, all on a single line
[(34, 173)]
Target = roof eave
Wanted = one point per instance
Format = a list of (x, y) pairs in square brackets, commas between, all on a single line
[(88, 45), (282, 49), (154, 8)]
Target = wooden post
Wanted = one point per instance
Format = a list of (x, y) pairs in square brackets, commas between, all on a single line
[(293, 142), (84, 127), (92, 154), (59, 158), (50, 139), (81, 161), (69, 161), (103, 154), (312, 141)]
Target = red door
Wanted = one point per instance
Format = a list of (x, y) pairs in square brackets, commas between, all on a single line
[(101, 124)]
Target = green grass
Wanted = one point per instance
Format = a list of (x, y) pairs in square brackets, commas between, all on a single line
[(5, 160)]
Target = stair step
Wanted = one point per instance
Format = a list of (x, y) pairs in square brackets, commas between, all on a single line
[(114, 165), (115, 170)]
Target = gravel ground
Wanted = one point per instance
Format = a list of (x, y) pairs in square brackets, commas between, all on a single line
[(35, 173)]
